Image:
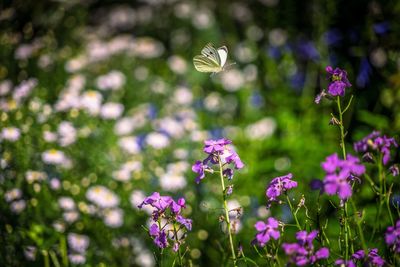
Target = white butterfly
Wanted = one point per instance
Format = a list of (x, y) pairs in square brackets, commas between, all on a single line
[(211, 59)]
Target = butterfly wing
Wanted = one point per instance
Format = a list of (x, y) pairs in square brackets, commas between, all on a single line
[(223, 55), (206, 64), (210, 52)]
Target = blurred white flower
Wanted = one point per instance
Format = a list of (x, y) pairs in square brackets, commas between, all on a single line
[(202, 19), (124, 126), (213, 102), (141, 73), (277, 37), (183, 96), (76, 64), (183, 10), (114, 218), (261, 129), (145, 259), (129, 144), (232, 80), (13, 194), (378, 57), (18, 206), (172, 181), (91, 101), (11, 134), (171, 126), (111, 110), (54, 156), (66, 203), (157, 140), (30, 253), (67, 133), (23, 89), (146, 47), (71, 216), (77, 258), (5, 87), (35, 176), (78, 243), (59, 226), (177, 64), (49, 136), (102, 197), (55, 184), (113, 80)]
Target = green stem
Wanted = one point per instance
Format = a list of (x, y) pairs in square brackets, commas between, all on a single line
[(293, 213), (228, 221), (46, 258), (179, 251)]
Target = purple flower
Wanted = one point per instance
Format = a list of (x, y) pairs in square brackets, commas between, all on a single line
[(375, 142), (217, 150), (278, 186), (302, 253), (185, 222), (392, 237), (199, 168), (339, 81), (160, 237), (373, 259), (266, 231), (215, 146), (170, 211), (394, 169), (339, 174)]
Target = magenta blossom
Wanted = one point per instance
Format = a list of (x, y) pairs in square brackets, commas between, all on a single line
[(339, 174), (266, 231), (337, 86), (159, 236), (372, 259), (392, 237), (278, 186), (374, 142), (219, 151), (303, 253)]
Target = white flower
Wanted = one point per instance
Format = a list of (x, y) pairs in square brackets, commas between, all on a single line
[(13, 194), (177, 64), (18, 206), (49, 136), (67, 133), (157, 140), (172, 181), (54, 156), (77, 258), (91, 101), (261, 129), (102, 196), (10, 134), (182, 96), (114, 80), (114, 218), (66, 203), (71, 216), (232, 80), (124, 126), (146, 47), (129, 144), (78, 243), (111, 110)]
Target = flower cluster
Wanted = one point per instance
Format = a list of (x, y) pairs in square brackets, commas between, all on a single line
[(392, 237), (339, 173), (166, 217), (372, 259), (337, 86), (303, 253), (219, 151), (266, 231), (376, 142), (278, 186)]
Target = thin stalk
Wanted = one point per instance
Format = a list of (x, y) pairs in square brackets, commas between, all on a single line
[(293, 213), (228, 221), (179, 251), (46, 258)]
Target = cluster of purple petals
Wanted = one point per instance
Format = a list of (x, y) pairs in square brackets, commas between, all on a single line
[(339, 174), (303, 252), (376, 142), (170, 210), (372, 259), (266, 231), (338, 83), (278, 186), (392, 237), (217, 150)]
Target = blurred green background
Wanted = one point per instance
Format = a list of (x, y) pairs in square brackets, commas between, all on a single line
[(105, 93)]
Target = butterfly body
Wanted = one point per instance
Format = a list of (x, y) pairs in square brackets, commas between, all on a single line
[(211, 59)]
